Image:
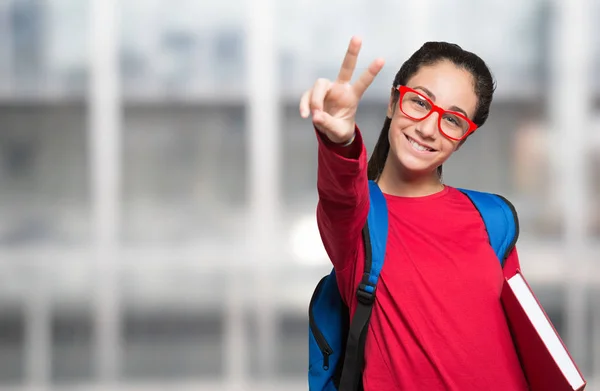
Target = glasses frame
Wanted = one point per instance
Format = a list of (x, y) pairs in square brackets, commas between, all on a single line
[(435, 109)]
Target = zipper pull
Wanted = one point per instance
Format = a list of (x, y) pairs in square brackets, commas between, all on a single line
[(326, 360)]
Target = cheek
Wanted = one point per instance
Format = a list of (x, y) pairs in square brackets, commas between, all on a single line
[(397, 127), (448, 147)]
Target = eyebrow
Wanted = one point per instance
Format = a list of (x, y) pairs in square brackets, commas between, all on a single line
[(432, 97)]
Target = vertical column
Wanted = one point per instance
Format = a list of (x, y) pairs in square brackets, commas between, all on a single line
[(418, 18), (38, 335), (6, 49), (570, 104), (263, 164), (104, 137)]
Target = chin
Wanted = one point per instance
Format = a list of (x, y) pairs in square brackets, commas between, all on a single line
[(414, 167)]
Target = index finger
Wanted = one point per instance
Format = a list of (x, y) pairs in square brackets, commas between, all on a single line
[(347, 69), (365, 80)]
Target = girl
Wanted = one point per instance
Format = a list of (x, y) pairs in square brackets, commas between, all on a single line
[(437, 323)]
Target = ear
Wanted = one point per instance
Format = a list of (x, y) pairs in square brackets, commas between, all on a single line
[(390, 109)]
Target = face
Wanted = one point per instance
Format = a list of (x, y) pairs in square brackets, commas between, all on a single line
[(418, 147)]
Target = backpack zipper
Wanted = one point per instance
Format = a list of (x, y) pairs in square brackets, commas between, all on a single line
[(326, 350)]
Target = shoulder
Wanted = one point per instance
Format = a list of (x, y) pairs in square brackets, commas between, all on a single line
[(491, 201), (495, 209), (499, 217)]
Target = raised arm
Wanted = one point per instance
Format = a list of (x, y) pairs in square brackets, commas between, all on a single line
[(342, 172)]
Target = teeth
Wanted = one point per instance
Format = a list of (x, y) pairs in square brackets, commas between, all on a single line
[(418, 146)]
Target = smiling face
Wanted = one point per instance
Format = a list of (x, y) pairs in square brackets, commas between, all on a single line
[(417, 148)]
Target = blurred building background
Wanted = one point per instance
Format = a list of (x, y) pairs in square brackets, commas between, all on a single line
[(158, 188)]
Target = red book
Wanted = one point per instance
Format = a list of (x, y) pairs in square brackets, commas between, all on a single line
[(544, 357)]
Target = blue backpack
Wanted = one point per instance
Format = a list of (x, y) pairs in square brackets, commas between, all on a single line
[(336, 345)]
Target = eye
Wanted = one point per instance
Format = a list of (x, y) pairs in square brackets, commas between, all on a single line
[(453, 120), (420, 102)]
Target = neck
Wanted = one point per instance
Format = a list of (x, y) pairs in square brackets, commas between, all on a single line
[(396, 181)]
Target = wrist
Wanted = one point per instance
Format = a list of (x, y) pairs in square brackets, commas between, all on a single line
[(350, 148), (349, 142)]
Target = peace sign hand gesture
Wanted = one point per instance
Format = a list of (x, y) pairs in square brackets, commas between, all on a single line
[(334, 103)]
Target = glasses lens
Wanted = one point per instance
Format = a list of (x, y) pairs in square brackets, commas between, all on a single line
[(454, 125), (415, 105)]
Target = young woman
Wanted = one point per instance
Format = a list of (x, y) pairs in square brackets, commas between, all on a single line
[(437, 322)]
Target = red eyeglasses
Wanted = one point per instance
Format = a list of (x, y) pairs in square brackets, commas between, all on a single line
[(415, 105)]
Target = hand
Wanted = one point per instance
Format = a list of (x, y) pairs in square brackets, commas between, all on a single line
[(333, 104)]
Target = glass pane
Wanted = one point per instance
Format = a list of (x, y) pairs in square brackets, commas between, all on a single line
[(43, 47), (167, 345), (12, 346), (72, 346), (173, 322), (182, 47), (43, 174), (184, 172)]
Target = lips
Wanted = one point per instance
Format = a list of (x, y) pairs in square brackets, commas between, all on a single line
[(417, 146)]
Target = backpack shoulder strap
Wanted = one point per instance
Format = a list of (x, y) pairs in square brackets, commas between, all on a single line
[(374, 234), (500, 219)]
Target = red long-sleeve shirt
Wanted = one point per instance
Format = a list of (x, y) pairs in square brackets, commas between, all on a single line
[(437, 321)]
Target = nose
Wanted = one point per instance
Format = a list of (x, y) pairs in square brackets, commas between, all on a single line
[(428, 127)]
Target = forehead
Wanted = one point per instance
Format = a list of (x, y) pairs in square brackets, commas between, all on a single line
[(451, 85)]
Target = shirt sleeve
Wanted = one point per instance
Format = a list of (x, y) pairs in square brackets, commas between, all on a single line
[(343, 205)]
